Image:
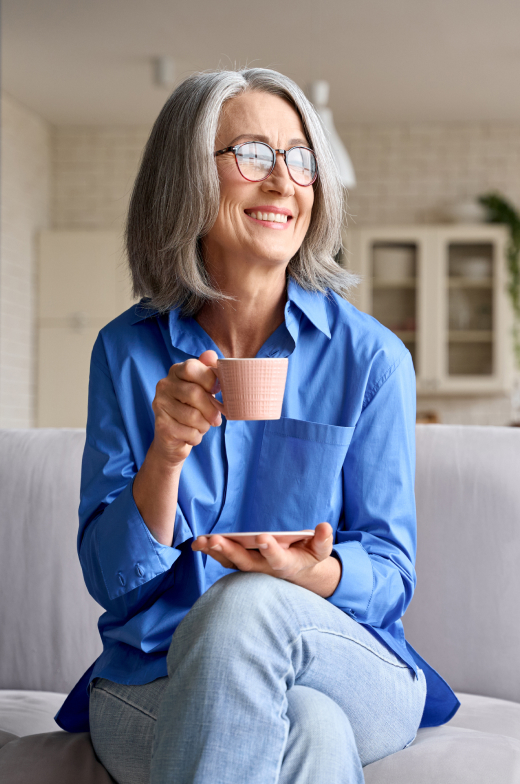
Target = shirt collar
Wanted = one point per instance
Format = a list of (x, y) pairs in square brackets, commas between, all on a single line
[(310, 303)]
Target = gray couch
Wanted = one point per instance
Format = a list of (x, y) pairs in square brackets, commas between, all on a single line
[(464, 618)]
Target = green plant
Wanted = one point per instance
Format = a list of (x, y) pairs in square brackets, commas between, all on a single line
[(502, 211)]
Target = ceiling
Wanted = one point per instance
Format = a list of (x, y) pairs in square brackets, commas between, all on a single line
[(89, 61)]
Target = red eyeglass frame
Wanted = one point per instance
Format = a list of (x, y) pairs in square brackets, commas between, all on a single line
[(236, 147)]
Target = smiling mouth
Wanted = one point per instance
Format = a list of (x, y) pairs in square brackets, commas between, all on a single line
[(269, 217)]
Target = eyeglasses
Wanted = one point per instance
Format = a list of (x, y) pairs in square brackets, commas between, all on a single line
[(256, 161)]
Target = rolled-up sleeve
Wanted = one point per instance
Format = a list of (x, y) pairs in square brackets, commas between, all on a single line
[(376, 538), (118, 554)]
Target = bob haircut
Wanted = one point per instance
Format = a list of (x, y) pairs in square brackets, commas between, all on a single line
[(175, 200)]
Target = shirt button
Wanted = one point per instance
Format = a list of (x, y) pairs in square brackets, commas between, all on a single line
[(139, 569), (121, 578)]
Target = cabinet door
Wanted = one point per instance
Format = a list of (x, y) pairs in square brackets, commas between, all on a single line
[(393, 265), (473, 337), (83, 284)]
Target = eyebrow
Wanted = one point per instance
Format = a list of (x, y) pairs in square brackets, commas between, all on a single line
[(250, 137)]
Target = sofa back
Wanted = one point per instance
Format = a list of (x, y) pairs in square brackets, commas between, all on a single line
[(48, 632), (463, 618)]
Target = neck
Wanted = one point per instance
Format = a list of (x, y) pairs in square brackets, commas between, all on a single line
[(241, 327)]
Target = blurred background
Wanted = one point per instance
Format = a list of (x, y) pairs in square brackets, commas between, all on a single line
[(421, 100)]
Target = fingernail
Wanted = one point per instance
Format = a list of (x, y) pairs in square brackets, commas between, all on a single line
[(263, 546), (216, 547)]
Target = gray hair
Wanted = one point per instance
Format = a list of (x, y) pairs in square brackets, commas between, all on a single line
[(175, 200)]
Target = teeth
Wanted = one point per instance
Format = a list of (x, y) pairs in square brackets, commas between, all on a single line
[(274, 217)]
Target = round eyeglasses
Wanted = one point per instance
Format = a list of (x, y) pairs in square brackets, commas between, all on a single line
[(256, 161)]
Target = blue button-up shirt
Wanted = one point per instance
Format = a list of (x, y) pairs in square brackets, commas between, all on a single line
[(343, 452)]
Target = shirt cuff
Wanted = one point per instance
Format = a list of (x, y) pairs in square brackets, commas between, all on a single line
[(354, 590), (129, 556)]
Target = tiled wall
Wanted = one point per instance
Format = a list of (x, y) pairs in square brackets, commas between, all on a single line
[(410, 173), (25, 188), (93, 174)]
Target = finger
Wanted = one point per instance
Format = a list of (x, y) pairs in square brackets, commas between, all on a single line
[(191, 394), (197, 372), (201, 544), (172, 432), (186, 415), (322, 541), (209, 358), (276, 556), (245, 560)]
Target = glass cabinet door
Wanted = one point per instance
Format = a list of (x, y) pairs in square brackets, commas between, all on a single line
[(470, 309), (394, 269)]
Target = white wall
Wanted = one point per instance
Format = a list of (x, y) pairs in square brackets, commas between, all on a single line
[(93, 174), (408, 173), (25, 207)]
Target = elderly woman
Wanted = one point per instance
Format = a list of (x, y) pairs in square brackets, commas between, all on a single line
[(222, 664)]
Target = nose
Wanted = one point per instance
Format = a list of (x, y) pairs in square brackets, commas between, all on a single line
[(279, 180)]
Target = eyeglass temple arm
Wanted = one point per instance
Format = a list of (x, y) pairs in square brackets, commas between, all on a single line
[(228, 149)]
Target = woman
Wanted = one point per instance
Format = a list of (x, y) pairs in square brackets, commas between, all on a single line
[(285, 665)]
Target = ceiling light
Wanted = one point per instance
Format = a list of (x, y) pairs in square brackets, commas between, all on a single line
[(319, 96)]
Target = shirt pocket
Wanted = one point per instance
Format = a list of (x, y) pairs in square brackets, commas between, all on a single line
[(299, 466)]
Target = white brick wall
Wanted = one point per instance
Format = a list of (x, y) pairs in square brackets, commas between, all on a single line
[(93, 174), (409, 173), (25, 188)]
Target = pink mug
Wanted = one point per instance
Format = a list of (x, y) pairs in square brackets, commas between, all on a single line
[(252, 388)]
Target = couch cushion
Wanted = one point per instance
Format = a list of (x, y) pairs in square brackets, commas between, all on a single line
[(450, 755), (6, 737), (486, 714), (52, 758), (29, 712)]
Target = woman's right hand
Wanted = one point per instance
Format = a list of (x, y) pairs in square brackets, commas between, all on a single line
[(184, 409)]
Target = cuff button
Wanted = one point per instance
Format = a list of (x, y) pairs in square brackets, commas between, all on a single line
[(121, 578)]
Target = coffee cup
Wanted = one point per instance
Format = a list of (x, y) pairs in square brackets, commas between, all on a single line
[(252, 388)]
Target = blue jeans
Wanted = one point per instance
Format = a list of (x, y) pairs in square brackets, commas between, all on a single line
[(267, 683)]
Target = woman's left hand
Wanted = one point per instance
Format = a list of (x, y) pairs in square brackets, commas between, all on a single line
[(307, 563)]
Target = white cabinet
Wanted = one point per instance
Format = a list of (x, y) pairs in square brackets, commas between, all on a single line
[(83, 284), (442, 290)]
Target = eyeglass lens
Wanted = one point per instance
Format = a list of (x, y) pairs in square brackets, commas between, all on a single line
[(256, 161)]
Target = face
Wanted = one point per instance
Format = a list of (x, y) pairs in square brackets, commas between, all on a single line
[(237, 236)]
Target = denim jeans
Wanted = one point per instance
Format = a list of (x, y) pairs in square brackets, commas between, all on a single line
[(267, 683)]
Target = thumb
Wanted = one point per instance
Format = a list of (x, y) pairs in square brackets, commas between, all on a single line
[(322, 541)]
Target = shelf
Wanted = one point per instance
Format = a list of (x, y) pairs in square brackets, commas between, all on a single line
[(470, 336), (406, 335), (404, 283), (470, 283)]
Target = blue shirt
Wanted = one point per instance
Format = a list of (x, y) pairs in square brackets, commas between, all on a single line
[(343, 452)]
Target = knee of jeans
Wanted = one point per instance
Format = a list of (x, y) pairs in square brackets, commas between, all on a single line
[(317, 721), (235, 602), (243, 592)]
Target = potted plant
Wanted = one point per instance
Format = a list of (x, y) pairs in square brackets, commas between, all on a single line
[(499, 210)]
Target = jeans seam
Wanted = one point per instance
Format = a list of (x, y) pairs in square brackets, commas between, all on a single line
[(126, 702), (347, 637)]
